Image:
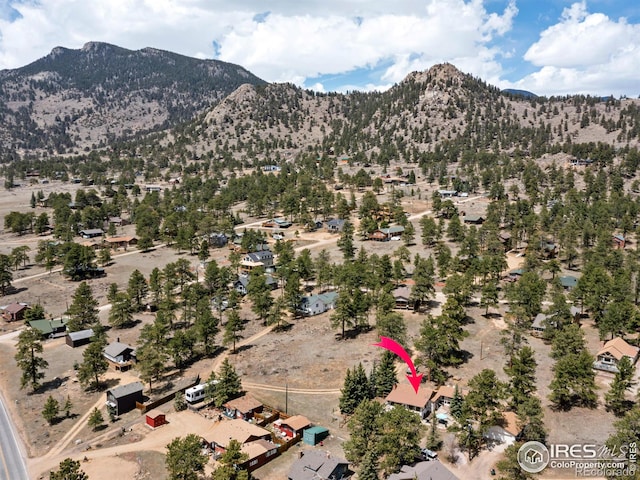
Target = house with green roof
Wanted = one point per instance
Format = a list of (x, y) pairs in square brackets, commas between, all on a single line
[(317, 304), (56, 327)]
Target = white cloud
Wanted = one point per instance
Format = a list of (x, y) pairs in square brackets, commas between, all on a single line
[(306, 41), (294, 42), (585, 53), (314, 45), (582, 39)]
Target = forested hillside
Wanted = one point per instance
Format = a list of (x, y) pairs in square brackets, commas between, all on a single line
[(88, 98)]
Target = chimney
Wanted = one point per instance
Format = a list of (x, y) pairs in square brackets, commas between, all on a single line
[(118, 339)]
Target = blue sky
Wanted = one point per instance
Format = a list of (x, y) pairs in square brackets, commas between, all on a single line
[(550, 47)]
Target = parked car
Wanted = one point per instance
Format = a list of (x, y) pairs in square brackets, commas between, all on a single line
[(429, 455)]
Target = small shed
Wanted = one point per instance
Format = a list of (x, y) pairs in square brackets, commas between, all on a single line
[(77, 339), (155, 418), (314, 435), (292, 426)]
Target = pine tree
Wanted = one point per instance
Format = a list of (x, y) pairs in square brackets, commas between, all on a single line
[(622, 381), (83, 310), (522, 375), (259, 293), (483, 401), (233, 455), (627, 432), (345, 242), (509, 466), (179, 403), (93, 365), (369, 467), (232, 329), (574, 379), (151, 362), (104, 256), (423, 276), (206, 324), (51, 409), (121, 313), (137, 289), (184, 459), (392, 325), (355, 390), (385, 378), (530, 418), (95, 419), (210, 387), (228, 386), (28, 360), (365, 430), (433, 440), (68, 470), (68, 405), (457, 402)]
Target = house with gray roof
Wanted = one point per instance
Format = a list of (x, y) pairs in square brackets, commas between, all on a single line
[(424, 471), (120, 355), (241, 283), (262, 258), (316, 465), (335, 225), (91, 233), (124, 397)]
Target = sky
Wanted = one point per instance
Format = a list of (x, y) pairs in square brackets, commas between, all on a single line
[(548, 47)]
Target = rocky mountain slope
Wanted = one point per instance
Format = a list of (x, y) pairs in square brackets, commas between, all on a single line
[(426, 110), (86, 98), (75, 101)]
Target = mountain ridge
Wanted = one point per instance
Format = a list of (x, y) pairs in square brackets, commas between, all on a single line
[(88, 97), (58, 105)]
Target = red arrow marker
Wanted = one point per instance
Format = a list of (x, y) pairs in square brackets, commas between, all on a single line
[(398, 349)]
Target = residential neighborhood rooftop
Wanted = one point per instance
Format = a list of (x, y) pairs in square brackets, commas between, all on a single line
[(424, 471), (404, 394), (221, 433), (315, 465), (243, 404), (124, 390), (116, 348), (297, 422), (619, 348)]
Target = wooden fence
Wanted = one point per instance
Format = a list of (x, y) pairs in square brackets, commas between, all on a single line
[(145, 407)]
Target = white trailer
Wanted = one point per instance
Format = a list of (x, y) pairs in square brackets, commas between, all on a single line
[(194, 394)]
